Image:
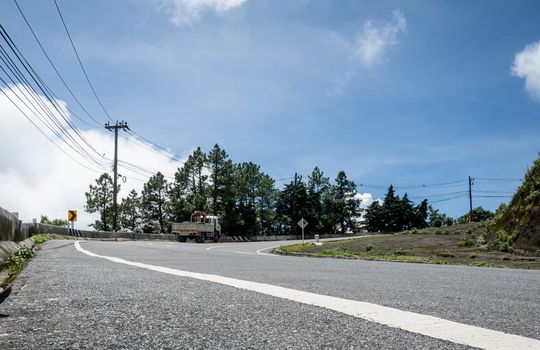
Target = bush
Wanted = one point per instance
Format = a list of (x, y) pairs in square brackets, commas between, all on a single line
[(369, 247), (40, 239), (445, 254), (18, 260), (400, 251), (465, 241)]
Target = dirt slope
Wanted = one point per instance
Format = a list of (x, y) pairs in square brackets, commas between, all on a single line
[(518, 225)]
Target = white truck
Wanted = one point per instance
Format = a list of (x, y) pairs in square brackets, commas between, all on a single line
[(201, 227)]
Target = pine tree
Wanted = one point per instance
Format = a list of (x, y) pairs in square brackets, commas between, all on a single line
[(99, 199), (155, 201), (421, 214), (217, 159), (374, 218), (391, 206), (318, 187), (406, 214), (347, 206), (130, 212)]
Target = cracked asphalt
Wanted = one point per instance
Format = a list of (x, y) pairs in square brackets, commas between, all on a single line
[(67, 300)]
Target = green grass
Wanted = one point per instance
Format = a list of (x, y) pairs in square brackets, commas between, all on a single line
[(463, 244), (40, 239), (17, 261), (480, 264)]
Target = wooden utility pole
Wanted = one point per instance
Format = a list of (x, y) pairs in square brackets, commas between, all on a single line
[(470, 198), (122, 125)]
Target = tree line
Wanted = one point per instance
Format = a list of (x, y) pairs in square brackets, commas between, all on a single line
[(248, 202)]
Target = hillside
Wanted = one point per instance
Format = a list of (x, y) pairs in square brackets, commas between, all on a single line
[(517, 225)]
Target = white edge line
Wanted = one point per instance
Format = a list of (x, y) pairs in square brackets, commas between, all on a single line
[(430, 326)]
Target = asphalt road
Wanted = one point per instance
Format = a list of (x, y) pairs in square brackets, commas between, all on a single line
[(69, 300)]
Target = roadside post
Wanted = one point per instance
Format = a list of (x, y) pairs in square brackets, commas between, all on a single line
[(302, 223), (72, 217)]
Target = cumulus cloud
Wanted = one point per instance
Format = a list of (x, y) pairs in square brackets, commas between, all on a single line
[(376, 39), (367, 199), (527, 65), (37, 178), (185, 12)]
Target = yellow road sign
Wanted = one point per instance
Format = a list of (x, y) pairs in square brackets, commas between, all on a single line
[(72, 215)]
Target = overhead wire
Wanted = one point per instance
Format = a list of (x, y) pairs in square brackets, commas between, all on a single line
[(39, 108), (80, 62), (57, 72)]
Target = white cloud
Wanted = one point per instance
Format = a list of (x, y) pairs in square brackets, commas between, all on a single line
[(367, 199), (185, 12), (527, 65), (376, 39), (36, 178)]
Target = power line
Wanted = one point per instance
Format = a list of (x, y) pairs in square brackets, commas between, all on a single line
[(143, 139), (489, 180), (442, 184), (80, 62), (41, 131), (19, 76), (56, 70)]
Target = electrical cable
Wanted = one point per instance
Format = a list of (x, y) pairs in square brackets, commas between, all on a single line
[(80, 62), (56, 71), (44, 89)]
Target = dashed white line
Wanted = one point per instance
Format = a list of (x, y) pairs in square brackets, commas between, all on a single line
[(413, 322)]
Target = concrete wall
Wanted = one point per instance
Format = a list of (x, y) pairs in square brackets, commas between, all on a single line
[(10, 227), (32, 229)]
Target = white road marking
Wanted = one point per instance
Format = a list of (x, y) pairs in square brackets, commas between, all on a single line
[(260, 251), (413, 322)]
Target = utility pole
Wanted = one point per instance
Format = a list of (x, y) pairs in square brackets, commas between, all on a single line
[(122, 125), (470, 197), (294, 198)]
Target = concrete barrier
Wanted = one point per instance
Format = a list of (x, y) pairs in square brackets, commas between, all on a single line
[(10, 227), (34, 229)]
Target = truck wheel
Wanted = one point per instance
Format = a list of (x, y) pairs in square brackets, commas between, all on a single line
[(216, 238)]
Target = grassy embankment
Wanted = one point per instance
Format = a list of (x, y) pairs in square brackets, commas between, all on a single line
[(467, 244), (18, 260)]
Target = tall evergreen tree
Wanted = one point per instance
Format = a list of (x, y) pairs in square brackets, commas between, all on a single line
[(99, 199), (318, 188), (154, 201), (291, 206), (421, 211), (130, 212), (347, 206), (391, 206), (189, 190), (266, 199), (406, 215), (217, 159), (374, 218)]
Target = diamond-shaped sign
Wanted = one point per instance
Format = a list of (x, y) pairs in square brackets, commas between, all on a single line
[(72, 215), (302, 223)]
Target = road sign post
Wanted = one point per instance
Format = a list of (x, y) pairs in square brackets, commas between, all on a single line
[(302, 223), (72, 217)]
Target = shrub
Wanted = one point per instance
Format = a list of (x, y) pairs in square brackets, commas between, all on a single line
[(369, 247), (40, 239), (445, 254), (18, 259), (400, 251), (480, 264), (465, 241)]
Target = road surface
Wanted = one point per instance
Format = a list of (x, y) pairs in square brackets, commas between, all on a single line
[(166, 295)]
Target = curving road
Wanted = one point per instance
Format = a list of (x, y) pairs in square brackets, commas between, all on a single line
[(147, 295)]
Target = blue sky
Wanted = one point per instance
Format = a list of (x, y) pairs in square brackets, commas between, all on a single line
[(414, 92)]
